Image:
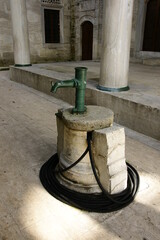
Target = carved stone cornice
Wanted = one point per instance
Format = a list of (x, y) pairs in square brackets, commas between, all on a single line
[(51, 3)]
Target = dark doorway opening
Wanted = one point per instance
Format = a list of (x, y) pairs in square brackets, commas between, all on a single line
[(87, 40), (151, 40)]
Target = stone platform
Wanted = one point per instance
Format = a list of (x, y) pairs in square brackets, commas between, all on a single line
[(138, 108)]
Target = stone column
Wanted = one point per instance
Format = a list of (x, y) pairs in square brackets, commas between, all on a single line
[(20, 33), (117, 22)]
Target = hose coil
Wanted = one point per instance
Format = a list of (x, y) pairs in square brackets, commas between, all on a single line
[(101, 202)]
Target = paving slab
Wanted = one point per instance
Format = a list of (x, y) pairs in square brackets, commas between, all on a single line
[(28, 138)]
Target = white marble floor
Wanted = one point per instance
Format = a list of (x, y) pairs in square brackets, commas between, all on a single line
[(27, 139)]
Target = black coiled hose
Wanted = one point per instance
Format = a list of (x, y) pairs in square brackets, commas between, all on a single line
[(102, 202)]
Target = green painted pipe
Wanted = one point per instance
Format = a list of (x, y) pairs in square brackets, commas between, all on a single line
[(80, 84)]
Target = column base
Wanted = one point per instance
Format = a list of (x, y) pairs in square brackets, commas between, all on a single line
[(22, 65), (113, 89)]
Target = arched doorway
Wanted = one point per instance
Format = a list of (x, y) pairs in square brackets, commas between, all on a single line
[(151, 41), (87, 40)]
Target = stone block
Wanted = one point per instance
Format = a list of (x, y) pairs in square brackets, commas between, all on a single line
[(119, 181), (71, 144), (96, 117), (108, 151)]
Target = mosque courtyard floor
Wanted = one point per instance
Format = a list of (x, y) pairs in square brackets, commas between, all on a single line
[(28, 138)]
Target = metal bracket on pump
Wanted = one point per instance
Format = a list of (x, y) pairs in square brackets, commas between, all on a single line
[(79, 82)]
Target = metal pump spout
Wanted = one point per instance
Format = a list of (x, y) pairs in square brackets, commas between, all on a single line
[(79, 82), (63, 84)]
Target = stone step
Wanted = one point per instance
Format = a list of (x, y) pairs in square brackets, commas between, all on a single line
[(152, 61), (132, 109)]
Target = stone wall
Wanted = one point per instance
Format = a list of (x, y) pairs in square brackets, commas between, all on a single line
[(6, 42), (40, 52), (89, 10), (75, 12), (92, 10)]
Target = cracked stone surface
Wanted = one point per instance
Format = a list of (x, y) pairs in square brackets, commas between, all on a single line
[(96, 117), (109, 156)]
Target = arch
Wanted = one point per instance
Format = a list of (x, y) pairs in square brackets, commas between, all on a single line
[(87, 40), (78, 44)]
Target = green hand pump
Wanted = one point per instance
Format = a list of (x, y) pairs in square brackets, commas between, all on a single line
[(79, 82)]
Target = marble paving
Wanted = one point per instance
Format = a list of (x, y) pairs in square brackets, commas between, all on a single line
[(28, 138)]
